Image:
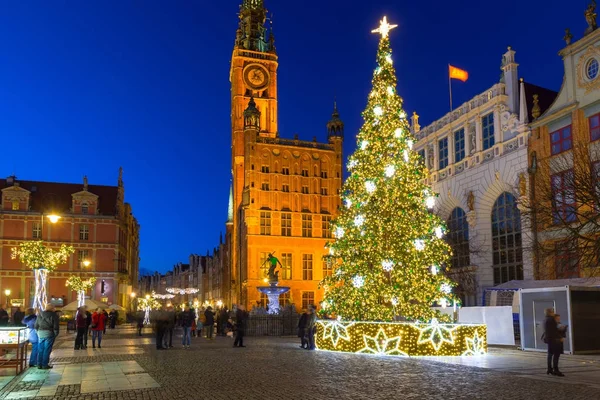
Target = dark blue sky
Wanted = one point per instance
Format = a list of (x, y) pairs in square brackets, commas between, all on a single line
[(88, 86)]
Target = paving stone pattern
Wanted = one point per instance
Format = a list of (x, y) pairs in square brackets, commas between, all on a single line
[(276, 368)]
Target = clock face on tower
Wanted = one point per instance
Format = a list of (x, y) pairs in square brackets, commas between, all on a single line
[(256, 76)]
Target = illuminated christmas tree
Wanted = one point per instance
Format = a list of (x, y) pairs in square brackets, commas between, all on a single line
[(389, 250)]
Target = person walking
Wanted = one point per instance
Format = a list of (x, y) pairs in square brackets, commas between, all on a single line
[(32, 336), (554, 339), (302, 329), (240, 327), (187, 318), (18, 317), (47, 328), (81, 327), (311, 320), (98, 326), (210, 322)]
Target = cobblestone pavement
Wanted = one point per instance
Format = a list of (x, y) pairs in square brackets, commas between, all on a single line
[(276, 368)]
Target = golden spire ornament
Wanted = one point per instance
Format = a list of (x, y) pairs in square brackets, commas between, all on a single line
[(384, 28)]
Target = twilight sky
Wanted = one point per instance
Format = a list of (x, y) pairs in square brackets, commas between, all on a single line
[(88, 86)]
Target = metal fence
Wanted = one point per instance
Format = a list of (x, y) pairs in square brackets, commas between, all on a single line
[(272, 325)]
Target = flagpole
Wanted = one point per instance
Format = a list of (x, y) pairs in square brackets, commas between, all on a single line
[(450, 87)]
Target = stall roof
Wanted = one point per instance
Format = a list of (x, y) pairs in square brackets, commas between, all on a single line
[(531, 284)]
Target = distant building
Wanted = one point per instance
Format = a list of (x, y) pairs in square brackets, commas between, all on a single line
[(477, 159), (285, 191), (94, 219), (564, 161)]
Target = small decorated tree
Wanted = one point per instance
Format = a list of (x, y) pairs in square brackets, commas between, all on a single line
[(41, 259), (148, 304), (80, 286)]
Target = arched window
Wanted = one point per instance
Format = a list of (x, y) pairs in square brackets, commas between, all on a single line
[(458, 238), (507, 244)]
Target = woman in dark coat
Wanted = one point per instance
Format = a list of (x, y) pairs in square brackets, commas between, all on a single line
[(554, 339), (210, 322), (302, 330)]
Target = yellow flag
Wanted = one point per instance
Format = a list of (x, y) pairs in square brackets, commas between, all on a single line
[(457, 73)]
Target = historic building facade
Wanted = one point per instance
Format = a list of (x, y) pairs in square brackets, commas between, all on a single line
[(284, 191), (477, 160), (564, 160), (94, 219)]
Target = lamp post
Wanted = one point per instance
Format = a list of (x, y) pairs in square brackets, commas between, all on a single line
[(81, 293), (41, 274), (7, 294)]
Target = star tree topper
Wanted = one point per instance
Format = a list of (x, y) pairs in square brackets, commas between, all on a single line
[(384, 28)]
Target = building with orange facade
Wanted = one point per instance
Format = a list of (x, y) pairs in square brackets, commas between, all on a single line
[(94, 219), (284, 191), (564, 165)]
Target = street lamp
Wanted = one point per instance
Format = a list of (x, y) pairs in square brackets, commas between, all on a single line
[(132, 294), (53, 218), (7, 294)]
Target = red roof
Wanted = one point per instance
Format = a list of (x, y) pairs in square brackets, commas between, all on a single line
[(56, 197)]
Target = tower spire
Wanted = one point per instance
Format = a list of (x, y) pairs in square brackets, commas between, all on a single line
[(252, 33), (230, 206), (335, 126)]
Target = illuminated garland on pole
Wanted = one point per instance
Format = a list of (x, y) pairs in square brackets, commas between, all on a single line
[(81, 286), (41, 260)]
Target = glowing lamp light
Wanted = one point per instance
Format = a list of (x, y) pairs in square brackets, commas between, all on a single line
[(370, 186), (266, 280), (439, 232), (390, 170), (446, 288), (420, 244), (398, 132), (133, 295), (378, 111), (358, 281), (387, 265), (86, 263), (430, 201), (147, 297), (364, 144), (7, 292), (359, 220), (53, 218), (219, 304)]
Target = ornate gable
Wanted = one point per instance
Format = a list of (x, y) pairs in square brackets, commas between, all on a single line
[(15, 198), (84, 202)]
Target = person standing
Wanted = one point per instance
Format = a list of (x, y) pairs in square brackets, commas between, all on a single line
[(554, 339), (210, 322), (47, 329), (105, 320), (223, 317), (240, 327), (18, 317), (311, 320), (160, 325), (81, 327), (88, 323), (32, 336), (187, 318), (169, 327), (112, 319), (302, 329), (139, 316), (98, 327), (3, 317)]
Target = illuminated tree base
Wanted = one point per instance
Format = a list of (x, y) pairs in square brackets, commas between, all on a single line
[(402, 339), (80, 298), (40, 298)]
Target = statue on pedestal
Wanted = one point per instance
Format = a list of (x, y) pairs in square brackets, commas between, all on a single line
[(273, 276)]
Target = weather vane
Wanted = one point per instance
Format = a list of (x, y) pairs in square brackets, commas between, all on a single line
[(384, 28)]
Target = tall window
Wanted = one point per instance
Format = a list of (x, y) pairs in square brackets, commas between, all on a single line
[(595, 127), (560, 140), (307, 267), (459, 145), (264, 300), (84, 208), (82, 255), (285, 299), (443, 153), (324, 174), (285, 170), (265, 223), (264, 264), (285, 188), (566, 261), (37, 230), (308, 299), (16, 205), (286, 224), (305, 189), (306, 225), (264, 169), (265, 186), (84, 232), (507, 245), (326, 226), (487, 131), (305, 172), (458, 238), (327, 268), (563, 197), (286, 261), (323, 191)]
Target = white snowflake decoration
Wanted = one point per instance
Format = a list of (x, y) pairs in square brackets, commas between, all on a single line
[(377, 70), (348, 203), (406, 156), (359, 220), (370, 186), (352, 164), (402, 115), (378, 111), (434, 270), (339, 232), (444, 303), (420, 244), (439, 232), (364, 144), (387, 265), (410, 143), (390, 90), (394, 301), (390, 170), (398, 133), (388, 58), (358, 281), (331, 251), (430, 201), (445, 288)]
